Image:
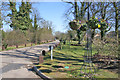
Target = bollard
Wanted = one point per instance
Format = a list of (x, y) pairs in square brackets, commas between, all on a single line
[(51, 52), (54, 47), (41, 59), (3, 47), (51, 49), (43, 52), (25, 45), (16, 46)]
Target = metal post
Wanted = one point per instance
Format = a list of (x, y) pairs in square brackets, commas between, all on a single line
[(51, 55), (87, 65), (51, 52)]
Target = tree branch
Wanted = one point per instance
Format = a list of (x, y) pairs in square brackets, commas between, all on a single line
[(68, 2), (109, 29)]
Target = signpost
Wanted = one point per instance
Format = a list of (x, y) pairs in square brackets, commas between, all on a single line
[(51, 49)]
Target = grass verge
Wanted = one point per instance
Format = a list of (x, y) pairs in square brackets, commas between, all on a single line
[(67, 62)]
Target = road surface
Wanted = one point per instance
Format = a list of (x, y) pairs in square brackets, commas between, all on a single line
[(17, 63)]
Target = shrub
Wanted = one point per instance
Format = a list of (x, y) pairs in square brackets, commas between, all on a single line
[(15, 37), (108, 46)]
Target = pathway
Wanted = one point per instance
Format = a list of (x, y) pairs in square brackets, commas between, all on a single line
[(17, 63)]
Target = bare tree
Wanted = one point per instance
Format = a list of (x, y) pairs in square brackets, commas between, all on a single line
[(116, 19), (78, 12)]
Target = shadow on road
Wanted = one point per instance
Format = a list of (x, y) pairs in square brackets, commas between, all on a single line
[(28, 52)]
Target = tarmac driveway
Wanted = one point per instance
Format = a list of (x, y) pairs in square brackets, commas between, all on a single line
[(17, 63)]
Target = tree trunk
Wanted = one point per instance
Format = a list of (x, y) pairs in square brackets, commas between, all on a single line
[(116, 22), (76, 10), (116, 25), (69, 43), (77, 18), (93, 33), (102, 34), (78, 35), (36, 37)]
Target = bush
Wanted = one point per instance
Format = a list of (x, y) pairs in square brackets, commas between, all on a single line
[(15, 37), (44, 34), (108, 46)]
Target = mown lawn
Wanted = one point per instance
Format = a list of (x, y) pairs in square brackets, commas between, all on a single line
[(67, 62)]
